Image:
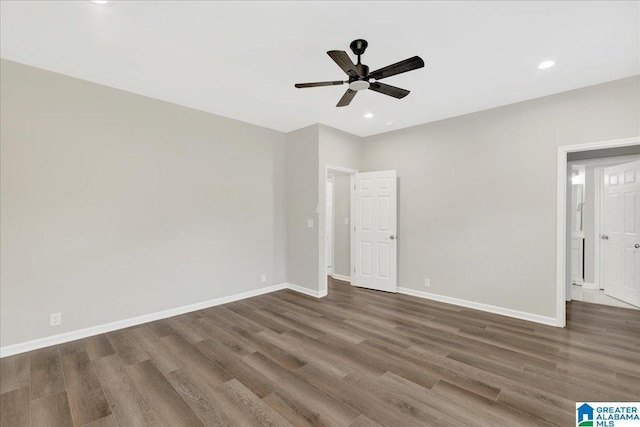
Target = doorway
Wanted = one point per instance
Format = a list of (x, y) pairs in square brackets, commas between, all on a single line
[(563, 241), (592, 208), (336, 256)]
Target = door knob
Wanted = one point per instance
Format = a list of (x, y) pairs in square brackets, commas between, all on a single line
[(636, 246), (392, 237), (604, 236)]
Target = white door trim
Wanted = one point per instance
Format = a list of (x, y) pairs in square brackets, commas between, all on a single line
[(597, 227), (561, 215), (322, 262)]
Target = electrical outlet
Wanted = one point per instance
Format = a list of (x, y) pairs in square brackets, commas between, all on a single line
[(310, 223), (56, 319), (263, 278), (427, 283)]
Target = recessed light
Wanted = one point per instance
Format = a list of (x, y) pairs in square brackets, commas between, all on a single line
[(389, 123), (546, 64), (368, 115), (100, 1)]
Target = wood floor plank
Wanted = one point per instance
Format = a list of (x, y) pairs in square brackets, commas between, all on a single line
[(186, 329), (482, 409), (328, 326), (127, 347), (228, 319), (302, 353), (311, 405), (258, 411), (14, 408), (275, 353), (14, 372), (46, 373), (438, 371), (358, 399), (127, 403), (161, 328), (98, 346), (363, 421), (161, 356), (197, 362), (162, 397), (109, 421), (410, 405), (201, 396), (51, 410), (238, 369), (87, 400), (222, 336)]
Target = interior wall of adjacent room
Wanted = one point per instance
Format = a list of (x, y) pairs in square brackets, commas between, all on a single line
[(477, 194), (342, 225), (115, 205)]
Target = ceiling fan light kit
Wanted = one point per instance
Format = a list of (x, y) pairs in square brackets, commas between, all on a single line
[(359, 76)]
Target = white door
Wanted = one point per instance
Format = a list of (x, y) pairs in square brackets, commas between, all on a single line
[(620, 235), (375, 230)]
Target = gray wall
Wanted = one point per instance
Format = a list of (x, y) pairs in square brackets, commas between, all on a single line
[(341, 231), (309, 151), (115, 205), (302, 181), (477, 201)]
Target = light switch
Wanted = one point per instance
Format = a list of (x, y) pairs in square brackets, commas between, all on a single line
[(310, 223), (317, 208), (346, 221)]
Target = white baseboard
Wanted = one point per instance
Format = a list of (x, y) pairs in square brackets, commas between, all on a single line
[(341, 277), (23, 347), (483, 307), (307, 291)]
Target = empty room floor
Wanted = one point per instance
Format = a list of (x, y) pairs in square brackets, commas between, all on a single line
[(597, 296), (354, 358)]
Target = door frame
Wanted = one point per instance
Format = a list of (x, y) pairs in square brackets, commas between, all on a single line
[(561, 215), (333, 225), (322, 280)]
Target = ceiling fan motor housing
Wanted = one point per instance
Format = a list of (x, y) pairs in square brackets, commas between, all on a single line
[(358, 46)]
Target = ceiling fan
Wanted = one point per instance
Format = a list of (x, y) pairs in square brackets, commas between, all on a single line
[(360, 77)]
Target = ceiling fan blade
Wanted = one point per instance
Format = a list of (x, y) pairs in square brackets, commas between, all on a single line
[(396, 92), (342, 59), (398, 68), (346, 98), (318, 84)]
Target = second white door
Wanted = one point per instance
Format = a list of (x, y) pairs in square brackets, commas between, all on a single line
[(621, 232)]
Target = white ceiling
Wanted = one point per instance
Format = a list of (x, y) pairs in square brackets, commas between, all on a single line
[(241, 59)]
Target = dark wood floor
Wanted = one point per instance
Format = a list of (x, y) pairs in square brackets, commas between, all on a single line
[(354, 358)]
